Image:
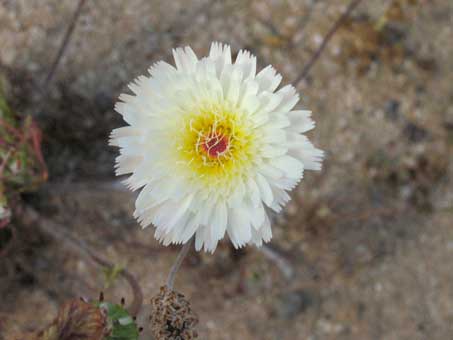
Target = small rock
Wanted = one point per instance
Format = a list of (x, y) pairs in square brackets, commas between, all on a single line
[(391, 109), (294, 302), (414, 133)]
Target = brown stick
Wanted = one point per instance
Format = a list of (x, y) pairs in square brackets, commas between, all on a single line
[(279, 260), (352, 5), (63, 46), (81, 248)]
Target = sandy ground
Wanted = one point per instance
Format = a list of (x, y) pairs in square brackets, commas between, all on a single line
[(370, 238)]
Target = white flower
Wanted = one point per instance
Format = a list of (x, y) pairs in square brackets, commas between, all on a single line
[(212, 144)]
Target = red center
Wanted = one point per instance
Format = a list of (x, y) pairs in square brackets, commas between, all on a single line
[(215, 144)]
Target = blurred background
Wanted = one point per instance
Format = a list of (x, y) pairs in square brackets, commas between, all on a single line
[(364, 250)]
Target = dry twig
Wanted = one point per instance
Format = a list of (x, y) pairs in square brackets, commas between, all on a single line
[(352, 5), (63, 46), (281, 262)]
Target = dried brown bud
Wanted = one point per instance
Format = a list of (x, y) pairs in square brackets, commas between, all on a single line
[(171, 316), (76, 320)]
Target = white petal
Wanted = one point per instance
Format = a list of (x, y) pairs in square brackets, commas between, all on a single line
[(271, 151), (180, 212), (119, 133), (219, 221), (257, 215), (268, 79), (161, 69), (301, 148), (237, 196), (200, 237), (289, 98), (231, 80), (292, 167), (264, 233), (269, 101), (247, 63), (301, 121), (221, 54), (281, 197), (253, 192), (190, 228), (265, 189), (127, 164), (239, 229), (185, 59), (247, 99)]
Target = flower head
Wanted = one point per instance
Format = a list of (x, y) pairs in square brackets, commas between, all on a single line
[(212, 144)]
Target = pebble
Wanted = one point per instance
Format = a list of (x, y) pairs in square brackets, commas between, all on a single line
[(293, 303)]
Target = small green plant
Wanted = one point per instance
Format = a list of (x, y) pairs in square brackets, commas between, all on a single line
[(22, 166), (120, 325), (100, 320)]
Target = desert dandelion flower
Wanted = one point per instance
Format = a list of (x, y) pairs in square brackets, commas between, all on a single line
[(212, 144)]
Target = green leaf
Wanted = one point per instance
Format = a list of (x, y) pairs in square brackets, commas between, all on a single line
[(121, 324)]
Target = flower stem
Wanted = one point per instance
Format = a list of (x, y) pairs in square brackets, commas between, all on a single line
[(179, 260)]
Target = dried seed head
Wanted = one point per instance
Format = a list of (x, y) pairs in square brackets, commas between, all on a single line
[(76, 320), (171, 316)]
